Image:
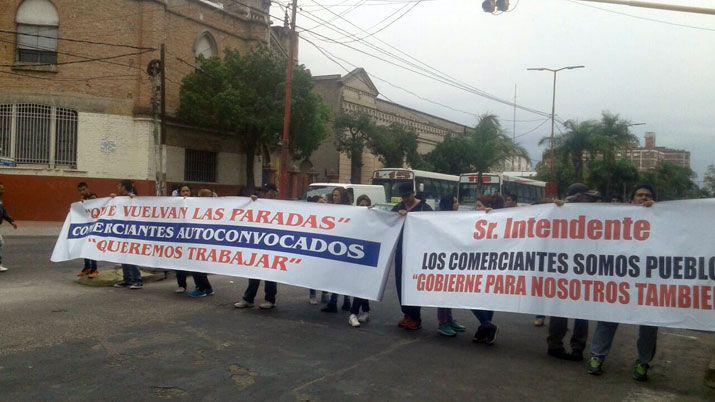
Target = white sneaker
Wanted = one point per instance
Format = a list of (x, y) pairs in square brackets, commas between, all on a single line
[(364, 317), (266, 305), (313, 301), (180, 290), (353, 321), (2, 269), (243, 304)]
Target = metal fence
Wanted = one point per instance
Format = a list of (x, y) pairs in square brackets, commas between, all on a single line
[(200, 166), (33, 134)]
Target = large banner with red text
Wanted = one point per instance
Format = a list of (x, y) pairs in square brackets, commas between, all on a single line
[(607, 262), (341, 249)]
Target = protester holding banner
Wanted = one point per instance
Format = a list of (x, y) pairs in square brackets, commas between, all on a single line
[(355, 316), (339, 196), (90, 266), (644, 194), (412, 319), (183, 191), (132, 278), (447, 325), (201, 279), (487, 331), (558, 326), (270, 192)]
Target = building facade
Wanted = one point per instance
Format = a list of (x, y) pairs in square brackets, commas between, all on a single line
[(648, 157), (356, 93), (76, 103)]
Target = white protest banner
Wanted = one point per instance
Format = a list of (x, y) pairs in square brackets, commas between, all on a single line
[(608, 262), (342, 249)]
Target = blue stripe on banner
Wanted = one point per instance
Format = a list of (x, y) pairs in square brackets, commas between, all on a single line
[(337, 248)]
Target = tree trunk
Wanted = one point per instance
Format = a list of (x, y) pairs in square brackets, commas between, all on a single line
[(250, 161), (355, 166)]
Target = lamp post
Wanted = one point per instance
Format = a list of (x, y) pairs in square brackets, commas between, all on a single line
[(553, 110)]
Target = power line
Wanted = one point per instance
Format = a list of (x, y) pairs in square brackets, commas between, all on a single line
[(386, 26), (82, 61), (533, 129), (77, 40), (122, 76), (642, 18)]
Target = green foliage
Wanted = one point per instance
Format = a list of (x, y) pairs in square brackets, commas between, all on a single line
[(672, 182), (451, 156), (242, 96), (395, 146), (709, 181), (353, 132)]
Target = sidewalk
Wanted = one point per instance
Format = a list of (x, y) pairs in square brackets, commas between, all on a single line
[(32, 229)]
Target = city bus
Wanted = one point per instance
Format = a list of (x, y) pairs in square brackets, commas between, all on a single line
[(527, 190), (429, 186)]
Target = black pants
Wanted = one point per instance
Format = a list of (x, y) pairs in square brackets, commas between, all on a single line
[(357, 303), (271, 289), (559, 326), (410, 311), (90, 265), (334, 299), (201, 280)]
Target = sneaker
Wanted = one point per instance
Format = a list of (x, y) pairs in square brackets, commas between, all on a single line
[(209, 292), (345, 306), (561, 354), (446, 330), (243, 304), (313, 300), (481, 335), (577, 355), (412, 325), (353, 321), (640, 372), (84, 272), (539, 322), (457, 327), (198, 293), (364, 317), (136, 286), (266, 305), (403, 322), (2, 269), (92, 274), (180, 289), (492, 331), (121, 285), (330, 308), (595, 365)]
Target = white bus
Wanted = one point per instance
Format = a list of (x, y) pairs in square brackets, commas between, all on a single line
[(428, 185), (528, 191)]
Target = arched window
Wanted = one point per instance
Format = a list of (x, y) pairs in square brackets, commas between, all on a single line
[(37, 23), (205, 46)]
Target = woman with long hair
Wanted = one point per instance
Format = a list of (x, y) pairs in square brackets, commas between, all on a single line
[(339, 196)]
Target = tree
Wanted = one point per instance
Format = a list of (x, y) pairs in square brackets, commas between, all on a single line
[(242, 96), (709, 181), (613, 180), (490, 146), (672, 182), (395, 146), (353, 132), (451, 156), (578, 141)]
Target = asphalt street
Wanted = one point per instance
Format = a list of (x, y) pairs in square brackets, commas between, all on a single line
[(63, 341)]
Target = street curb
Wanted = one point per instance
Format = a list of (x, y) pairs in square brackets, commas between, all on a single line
[(110, 276)]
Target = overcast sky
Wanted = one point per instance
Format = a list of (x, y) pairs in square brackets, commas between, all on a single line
[(646, 71)]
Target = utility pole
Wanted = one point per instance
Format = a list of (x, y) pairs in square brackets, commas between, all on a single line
[(285, 149), (513, 130), (162, 132), (154, 70), (552, 157)]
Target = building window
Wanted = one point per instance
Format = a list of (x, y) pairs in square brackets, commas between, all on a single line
[(200, 166), (37, 27), (205, 46), (38, 135)]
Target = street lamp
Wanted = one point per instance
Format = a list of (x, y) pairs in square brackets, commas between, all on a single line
[(553, 108)]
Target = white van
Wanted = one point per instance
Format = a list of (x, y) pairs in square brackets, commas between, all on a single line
[(375, 192)]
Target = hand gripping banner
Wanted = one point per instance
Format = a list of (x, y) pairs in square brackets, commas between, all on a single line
[(607, 262), (341, 249)]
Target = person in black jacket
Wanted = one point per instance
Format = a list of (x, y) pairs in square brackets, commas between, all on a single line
[(412, 319), (90, 266), (4, 216)]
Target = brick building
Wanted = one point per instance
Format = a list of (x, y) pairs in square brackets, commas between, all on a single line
[(356, 93), (648, 157), (76, 99)]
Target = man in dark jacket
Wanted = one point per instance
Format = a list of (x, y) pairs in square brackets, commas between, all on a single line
[(412, 320), (4, 216)]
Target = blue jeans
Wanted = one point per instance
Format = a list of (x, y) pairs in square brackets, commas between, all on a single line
[(484, 316), (131, 274), (603, 338)]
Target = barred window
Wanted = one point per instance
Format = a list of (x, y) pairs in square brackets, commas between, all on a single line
[(37, 28), (199, 166), (38, 135)]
